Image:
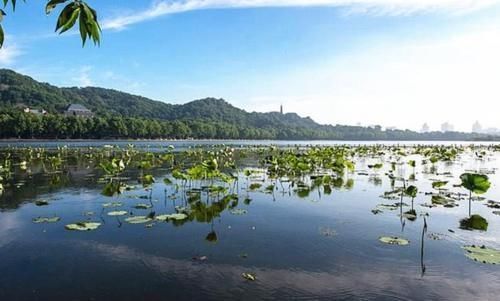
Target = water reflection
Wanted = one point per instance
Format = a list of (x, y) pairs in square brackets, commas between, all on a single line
[(267, 209)]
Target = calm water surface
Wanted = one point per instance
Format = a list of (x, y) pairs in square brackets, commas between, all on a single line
[(314, 247)]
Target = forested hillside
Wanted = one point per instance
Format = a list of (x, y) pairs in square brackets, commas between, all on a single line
[(122, 115)]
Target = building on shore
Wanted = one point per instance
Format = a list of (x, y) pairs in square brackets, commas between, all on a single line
[(35, 111), (78, 111)]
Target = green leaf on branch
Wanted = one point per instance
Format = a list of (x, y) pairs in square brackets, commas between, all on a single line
[(1, 36), (52, 4), (77, 11)]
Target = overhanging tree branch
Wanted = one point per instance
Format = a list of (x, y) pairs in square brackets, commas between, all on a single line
[(73, 11)]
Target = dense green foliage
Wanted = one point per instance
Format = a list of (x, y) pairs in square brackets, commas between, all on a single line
[(121, 115), (74, 11)]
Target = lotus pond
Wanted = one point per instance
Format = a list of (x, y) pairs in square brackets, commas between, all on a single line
[(250, 222)]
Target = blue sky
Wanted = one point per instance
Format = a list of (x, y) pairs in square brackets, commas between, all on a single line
[(389, 62)]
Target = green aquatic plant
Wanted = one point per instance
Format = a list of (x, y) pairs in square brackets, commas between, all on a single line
[(476, 183), (174, 216), (211, 237), (249, 276), (117, 213), (147, 180), (474, 222), (83, 226), (40, 203), (112, 204), (42, 220), (439, 184), (140, 219), (143, 206), (411, 191), (483, 254), (114, 167), (238, 211), (394, 240)]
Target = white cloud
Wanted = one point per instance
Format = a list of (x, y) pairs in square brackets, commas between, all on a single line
[(388, 7), (9, 54), (83, 77)]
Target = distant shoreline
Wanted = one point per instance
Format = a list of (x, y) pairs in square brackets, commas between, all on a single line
[(243, 140)]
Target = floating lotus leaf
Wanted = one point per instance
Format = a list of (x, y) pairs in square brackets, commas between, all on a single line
[(483, 254), (248, 276), (83, 226), (390, 206), (493, 204), (238, 211), (117, 213), (255, 186), (174, 216), (183, 209), (142, 206), (443, 201), (410, 215), (394, 240), (41, 220), (439, 184), (112, 204), (327, 231), (138, 219), (41, 203), (435, 236)]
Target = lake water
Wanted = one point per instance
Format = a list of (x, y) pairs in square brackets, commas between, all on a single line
[(299, 246)]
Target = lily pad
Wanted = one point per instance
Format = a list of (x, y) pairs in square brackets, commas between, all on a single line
[(410, 215), (238, 211), (112, 204), (443, 201), (255, 186), (394, 240), (327, 231), (83, 226), (248, 276), (391, 206), (483, 254), (493, 204), (118, 213), (42, 220), (142, 206), (435, 236), (174, 216), (42, 203), (138, 219)]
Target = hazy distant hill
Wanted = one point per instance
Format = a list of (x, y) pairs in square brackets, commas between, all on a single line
[(17, 89)]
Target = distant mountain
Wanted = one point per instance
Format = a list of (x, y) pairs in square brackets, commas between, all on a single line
[(17, 89), (205, 118)]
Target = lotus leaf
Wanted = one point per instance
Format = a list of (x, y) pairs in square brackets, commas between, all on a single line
[(393, 240)]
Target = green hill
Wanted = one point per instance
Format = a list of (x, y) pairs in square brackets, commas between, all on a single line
[(122, 115)]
